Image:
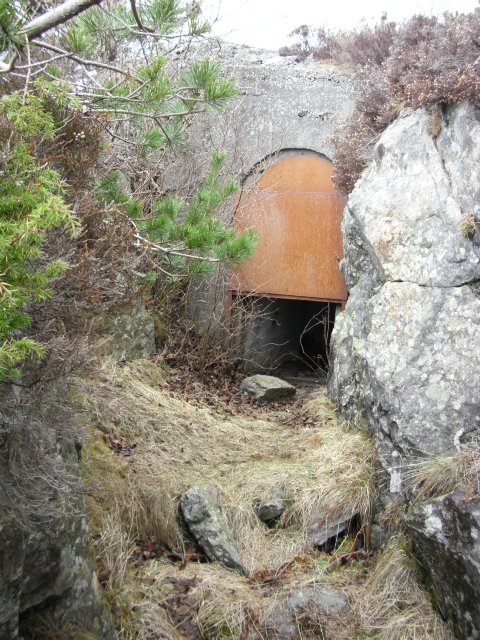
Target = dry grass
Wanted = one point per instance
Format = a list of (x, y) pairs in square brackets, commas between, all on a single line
[(434, 125), (391, 604), (178, 446), (394, 604), (439, 475), (44, 627), (468, 226)]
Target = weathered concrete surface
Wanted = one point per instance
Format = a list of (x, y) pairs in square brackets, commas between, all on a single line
[(267, 387), (405, 354), (285, 104), (282, 618), (446, 533), (206, 522)]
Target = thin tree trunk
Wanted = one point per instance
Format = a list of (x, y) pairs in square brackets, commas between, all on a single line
[(59, 15)]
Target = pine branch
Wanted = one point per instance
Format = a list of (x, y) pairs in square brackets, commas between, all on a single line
[(156, 248), (87, 63), (137, 18)]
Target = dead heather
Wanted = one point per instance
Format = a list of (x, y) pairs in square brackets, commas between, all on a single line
[(145, 446)]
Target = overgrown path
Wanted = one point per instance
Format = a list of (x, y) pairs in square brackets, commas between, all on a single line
[(154, 432)]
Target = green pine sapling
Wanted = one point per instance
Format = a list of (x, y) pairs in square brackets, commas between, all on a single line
[(31, 203), (189, 238)]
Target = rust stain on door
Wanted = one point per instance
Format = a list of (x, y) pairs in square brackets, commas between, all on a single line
[(298, 213)]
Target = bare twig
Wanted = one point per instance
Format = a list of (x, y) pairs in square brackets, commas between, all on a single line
[(156, 248), (27, 79), (87, 63), (6, 68)]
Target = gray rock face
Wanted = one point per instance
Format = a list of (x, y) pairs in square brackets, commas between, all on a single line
[(405, 354), (408, 210), (267, 387), (446, 532), (377, 537), (127, 334), (133, 333), (43, 555), (282, 618), (329, 525), (206, 522)]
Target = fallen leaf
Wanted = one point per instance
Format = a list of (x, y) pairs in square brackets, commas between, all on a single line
[(104, 577), (183, 610)]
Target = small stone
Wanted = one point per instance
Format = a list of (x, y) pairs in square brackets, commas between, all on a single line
[(267, 387), (326, 526), (273, 508), (282, 618), (206, 522)]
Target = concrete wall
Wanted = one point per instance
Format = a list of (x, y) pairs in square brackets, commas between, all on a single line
[(286, 107), (283, 105), (291, 105)]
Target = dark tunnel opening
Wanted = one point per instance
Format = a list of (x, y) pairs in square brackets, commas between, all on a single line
[(289, 334)]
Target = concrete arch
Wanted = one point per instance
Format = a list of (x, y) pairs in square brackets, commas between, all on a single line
[(258, 168)]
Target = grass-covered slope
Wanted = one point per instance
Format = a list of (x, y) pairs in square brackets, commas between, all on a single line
[(146, 445)]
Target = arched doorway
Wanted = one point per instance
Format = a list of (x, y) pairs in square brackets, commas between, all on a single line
[(297, 211)]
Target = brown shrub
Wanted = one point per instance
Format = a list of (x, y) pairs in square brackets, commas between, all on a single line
[(422, 62)]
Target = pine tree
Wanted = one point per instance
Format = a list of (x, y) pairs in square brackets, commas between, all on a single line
[(188, 237), (31, 204), (56, 52), (158, 104)]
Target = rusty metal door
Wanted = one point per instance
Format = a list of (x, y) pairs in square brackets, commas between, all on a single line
[(298, 213)]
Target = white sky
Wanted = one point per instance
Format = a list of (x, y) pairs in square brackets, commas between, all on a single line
[(266, 23)]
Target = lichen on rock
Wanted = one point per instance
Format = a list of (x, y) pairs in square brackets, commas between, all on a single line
[(405, 354), (206, 522)]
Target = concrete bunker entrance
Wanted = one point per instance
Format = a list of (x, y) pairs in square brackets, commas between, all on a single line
[(293, 283)]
